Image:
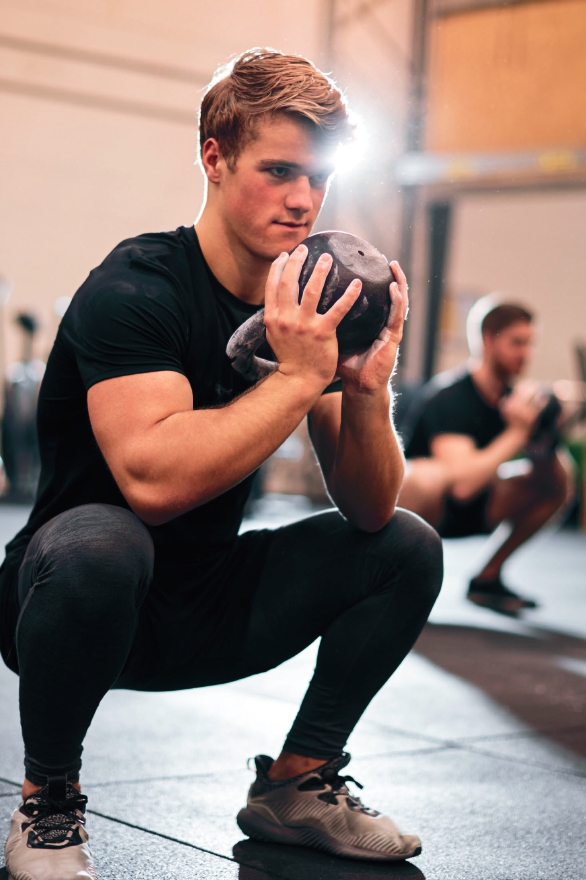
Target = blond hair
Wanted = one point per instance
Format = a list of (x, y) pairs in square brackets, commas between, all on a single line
[(263, 83)]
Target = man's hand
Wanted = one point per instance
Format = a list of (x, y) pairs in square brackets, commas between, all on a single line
[(371, 370), (521, 408), (304, 341)]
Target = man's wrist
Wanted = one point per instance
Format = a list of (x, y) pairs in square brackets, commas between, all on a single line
[(520, 432), (519, 436), (303, 385), (362, 393)]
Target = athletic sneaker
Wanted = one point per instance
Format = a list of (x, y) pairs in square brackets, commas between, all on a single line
[(494, 595), (47, 839), (316, 809)]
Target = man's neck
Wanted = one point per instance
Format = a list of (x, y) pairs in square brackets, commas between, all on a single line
[(239, 271), (490, 384)]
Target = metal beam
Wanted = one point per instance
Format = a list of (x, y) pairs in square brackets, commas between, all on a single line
[(103, 59), (100, 102), (330, 33), (455, 7), (439, 214), (363, 8)]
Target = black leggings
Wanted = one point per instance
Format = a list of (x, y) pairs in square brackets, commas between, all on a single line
[(97, 612)]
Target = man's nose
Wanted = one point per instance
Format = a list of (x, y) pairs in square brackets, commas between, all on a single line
[(299, 196)]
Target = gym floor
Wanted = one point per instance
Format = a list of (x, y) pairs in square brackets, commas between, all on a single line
[(478, 744)]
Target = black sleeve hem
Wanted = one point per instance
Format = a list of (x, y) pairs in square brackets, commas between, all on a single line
[(114, 373)]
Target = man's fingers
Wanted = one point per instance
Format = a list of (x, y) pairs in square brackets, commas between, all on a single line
[(335, 313), (396, 304), (315, 285), (273, 281), (399, 293), (288, 289), (399, 275)]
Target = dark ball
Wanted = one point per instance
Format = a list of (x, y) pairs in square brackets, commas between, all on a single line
[(352, 258)]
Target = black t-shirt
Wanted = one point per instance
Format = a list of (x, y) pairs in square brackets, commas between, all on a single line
[(153, 304), (450, 404)]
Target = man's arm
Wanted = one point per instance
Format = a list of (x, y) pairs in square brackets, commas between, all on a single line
[(167, 457), (470, 470), (362, 466), (353, 433)]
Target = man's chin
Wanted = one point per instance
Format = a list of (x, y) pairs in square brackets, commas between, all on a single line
[(288, 237), (276, 241)]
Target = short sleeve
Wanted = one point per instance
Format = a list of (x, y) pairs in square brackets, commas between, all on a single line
[(447, 413), (130, 322)]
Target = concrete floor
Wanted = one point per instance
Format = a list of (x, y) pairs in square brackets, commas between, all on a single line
[(478, 744)]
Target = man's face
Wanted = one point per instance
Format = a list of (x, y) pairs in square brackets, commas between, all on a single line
[(508, 352), (270, 199)]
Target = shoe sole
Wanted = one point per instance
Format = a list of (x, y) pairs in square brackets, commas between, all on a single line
[(507, 604), (258, 828), (502, 606)]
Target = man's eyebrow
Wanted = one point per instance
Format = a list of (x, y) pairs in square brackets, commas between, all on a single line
[(282, 163), (327, 167)]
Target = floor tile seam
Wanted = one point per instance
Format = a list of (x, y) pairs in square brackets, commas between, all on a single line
[(10, 782), (91, 786), (488, 754), (135, 827), (447, 743), (209, 852), (464, 741), (578, 774), (529, 734), (149, 779), (262, 874), (432, 750), (437, 740)]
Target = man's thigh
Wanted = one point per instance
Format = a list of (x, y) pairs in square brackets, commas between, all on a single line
[(320, 567), (511, 498), (280, 591), (425, 488)]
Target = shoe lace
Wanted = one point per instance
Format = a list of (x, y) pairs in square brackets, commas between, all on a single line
[(53, 820), (339, 787)]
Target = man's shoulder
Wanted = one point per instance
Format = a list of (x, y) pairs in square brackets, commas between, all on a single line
[(155, 265), (166, 252), (446, 386)]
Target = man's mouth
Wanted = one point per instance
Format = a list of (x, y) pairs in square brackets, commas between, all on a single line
[(290, 224)]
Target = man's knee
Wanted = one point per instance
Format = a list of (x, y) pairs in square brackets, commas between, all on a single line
[(95, 550), (413, 545), (554, 481)]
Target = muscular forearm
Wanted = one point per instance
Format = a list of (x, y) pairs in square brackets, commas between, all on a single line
[(367, 470), (191, 457), (475, 473)]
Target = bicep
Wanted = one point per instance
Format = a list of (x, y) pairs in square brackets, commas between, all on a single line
[(324, 421), (125, 412)]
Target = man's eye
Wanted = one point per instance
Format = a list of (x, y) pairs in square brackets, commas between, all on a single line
[(319, 179), (279, 171)]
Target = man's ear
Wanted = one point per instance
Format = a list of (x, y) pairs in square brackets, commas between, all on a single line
[(211, 158)]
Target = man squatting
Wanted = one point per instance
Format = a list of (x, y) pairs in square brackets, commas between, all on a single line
[(460, 435), (131, 564)]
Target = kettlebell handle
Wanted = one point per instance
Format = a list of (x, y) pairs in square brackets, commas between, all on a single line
[(242, 346)]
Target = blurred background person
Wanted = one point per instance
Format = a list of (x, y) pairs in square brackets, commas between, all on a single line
[(20, 446), (461, 435)]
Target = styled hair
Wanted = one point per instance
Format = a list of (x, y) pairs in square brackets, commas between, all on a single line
[(263, 83), (503, 316), (491, 314)]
